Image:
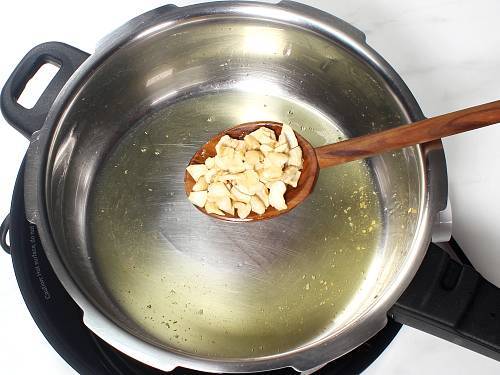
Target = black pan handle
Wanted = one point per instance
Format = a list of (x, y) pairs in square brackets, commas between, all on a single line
[(27, 121), (4, 229), (454, 302)]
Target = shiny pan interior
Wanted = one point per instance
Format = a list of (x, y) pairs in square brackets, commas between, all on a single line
[(183, 282)]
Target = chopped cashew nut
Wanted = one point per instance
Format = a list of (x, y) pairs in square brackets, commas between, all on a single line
[(282, 139), (266, 149), (224, 141), (275, 159), (198, 198), (201, 184), (251, 142), (210, 163), (253, 157), (290, 136), (257, 205), (243, 209), (197, 170), (241, 146), (236, 166), (248, 174), (263, 194), (291, 176), (282, 148), (276, 195), (273, 173), (224, 203), (268, 185), (248, 182), (226, 153), (238, 196), (218, 189), (258, 166), (264, 135), (212, 208), (210, 175), (295, 157)]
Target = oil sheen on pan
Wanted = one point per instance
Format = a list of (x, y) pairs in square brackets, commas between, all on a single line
[(195, 284)]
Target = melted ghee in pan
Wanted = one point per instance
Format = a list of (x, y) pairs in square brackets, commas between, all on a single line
[(194, 284)]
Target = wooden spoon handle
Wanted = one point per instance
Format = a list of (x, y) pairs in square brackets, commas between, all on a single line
[(408, 135)]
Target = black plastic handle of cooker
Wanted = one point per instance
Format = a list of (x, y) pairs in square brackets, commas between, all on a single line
[(27, 121), (454, 302), (4, 229)]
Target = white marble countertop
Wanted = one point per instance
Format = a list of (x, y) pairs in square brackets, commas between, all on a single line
[(448, 53)]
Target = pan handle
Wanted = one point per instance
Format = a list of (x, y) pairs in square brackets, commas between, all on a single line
[(27, 121), (454, 302), (4, 230)]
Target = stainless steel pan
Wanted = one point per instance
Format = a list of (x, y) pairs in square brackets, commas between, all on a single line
[(168, 285)]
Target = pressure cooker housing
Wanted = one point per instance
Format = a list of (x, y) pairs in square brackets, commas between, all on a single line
[(52, 156)]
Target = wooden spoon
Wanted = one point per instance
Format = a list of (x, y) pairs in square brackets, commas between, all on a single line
[(351, 149)]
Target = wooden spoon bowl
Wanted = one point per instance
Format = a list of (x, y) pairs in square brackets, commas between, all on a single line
[(293, 196)]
